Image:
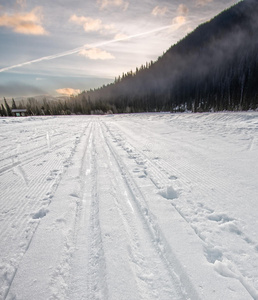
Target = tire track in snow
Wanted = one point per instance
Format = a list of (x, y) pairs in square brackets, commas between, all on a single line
[(179, 279)]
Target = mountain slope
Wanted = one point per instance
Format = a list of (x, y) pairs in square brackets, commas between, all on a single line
[(213, 68)]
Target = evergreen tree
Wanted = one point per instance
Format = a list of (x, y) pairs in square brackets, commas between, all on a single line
[(212, 69), (3, 111), (8, 109), (14, 104)]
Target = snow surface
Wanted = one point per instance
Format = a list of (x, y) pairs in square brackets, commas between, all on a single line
[(146, 206)]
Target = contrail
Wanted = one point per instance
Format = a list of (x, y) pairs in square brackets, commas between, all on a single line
[(76, 50)]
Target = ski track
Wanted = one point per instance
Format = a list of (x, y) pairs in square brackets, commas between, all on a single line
[(110, 241), (60, 277), (21, 218), (124, 221), (161, 174), (158, 243), (96, 286)]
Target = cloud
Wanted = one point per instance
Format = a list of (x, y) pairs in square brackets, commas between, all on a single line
[(109, 3), (178, 21), (21, 3), (90, 24), (203, 2), (16, 89), (182, 9), (96, 53), (79, 49), (159, 11), (24, 23), (68, 91), (120, 36)]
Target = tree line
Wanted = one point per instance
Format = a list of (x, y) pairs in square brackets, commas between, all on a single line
[(214, 68)]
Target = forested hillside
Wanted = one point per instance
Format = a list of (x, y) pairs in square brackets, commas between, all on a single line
[(213, 68)]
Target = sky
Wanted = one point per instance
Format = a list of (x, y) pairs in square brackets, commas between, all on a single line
[(64, 47)]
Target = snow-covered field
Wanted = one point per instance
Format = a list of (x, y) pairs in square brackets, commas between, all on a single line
[(147, 206)]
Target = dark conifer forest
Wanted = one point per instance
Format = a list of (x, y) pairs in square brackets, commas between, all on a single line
[(214, 68)]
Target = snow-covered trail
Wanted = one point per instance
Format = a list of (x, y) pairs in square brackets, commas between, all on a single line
[(151, 206)]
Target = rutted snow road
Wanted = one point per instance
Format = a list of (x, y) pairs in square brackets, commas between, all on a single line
[(151, 206)]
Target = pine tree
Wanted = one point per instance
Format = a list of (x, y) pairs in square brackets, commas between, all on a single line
[(3, 111), (8, 109), (14, 104)]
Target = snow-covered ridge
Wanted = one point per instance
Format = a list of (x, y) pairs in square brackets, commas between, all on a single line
[(144, 206)]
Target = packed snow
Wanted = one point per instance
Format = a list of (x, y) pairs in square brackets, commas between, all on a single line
[(143, 206)]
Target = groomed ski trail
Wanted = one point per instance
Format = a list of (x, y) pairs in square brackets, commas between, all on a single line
[(103, 213)]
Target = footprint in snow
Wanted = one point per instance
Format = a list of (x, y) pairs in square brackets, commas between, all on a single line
[(220, 218), (40, 214), (142, 176), (168, 193), (212, 254), (75, 195)]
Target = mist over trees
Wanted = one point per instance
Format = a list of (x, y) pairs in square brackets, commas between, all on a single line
[(214, 68)]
